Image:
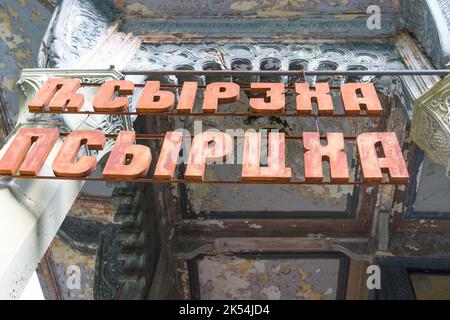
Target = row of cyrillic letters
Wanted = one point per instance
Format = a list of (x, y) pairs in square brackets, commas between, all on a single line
[(61, 94), (31, 147)]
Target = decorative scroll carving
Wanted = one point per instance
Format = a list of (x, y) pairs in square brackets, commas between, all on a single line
[(94, 238), (138, 247), (430, 128), (426, 19), (94, 43), (107, 267), (82, 235), (255, 56)]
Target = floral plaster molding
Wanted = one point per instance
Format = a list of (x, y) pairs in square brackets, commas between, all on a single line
[(431, 123)]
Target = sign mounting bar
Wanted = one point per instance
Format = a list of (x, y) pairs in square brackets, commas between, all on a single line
[(441, 72)]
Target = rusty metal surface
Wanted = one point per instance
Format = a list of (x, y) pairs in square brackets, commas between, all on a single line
[(196, 180), (316, 153), (131, 161), (154, 100), (58, 94), (127, 160), (276, 169), (184, 113), (273, 100), (28, 151), (201, 152), (66, 163), (321, 95), (105, 99), (219, 93), (264, 98), (168, 156), (187, 97), (352, 101), (391, 160)]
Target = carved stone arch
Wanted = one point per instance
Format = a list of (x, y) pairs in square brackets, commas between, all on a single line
[(272, 64), (355, 78), (327, 65), (246, 50), (183, 78), (297, 65), (214, 65), (242, 64)]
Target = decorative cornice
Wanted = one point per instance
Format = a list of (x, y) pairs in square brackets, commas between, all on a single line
[(317, 26)]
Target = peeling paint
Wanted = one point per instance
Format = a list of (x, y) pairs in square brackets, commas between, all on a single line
[(227, 277), (218, 223), (139, 10), (369, 189), (410, 247), (63, 257), (6, 34), (22, 26), (36, 16), (243, 5)]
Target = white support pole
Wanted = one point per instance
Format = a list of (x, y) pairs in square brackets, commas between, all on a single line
[(31, 211)]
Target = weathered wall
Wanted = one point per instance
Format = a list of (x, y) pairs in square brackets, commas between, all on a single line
[(248, 8), (22, 26)]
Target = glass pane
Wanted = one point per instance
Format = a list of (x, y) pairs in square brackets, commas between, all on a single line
[(431, 286), (433, 193)]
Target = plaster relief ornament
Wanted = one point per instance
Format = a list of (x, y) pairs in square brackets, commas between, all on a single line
[(430, 128)]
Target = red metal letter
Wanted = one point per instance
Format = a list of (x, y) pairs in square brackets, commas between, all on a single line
[(127, 160), (315, 153), (275, 94), (187, 97), (392, 161), (104, 100), (58, 93), (369, 98), (28, 151), (276, 169), (167, 161), (200, 152), (217, 93), (65, 164), (320, 94), (153, 100)]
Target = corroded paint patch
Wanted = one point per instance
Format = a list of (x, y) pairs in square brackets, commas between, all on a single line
[(225, 277), (64, 258)]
